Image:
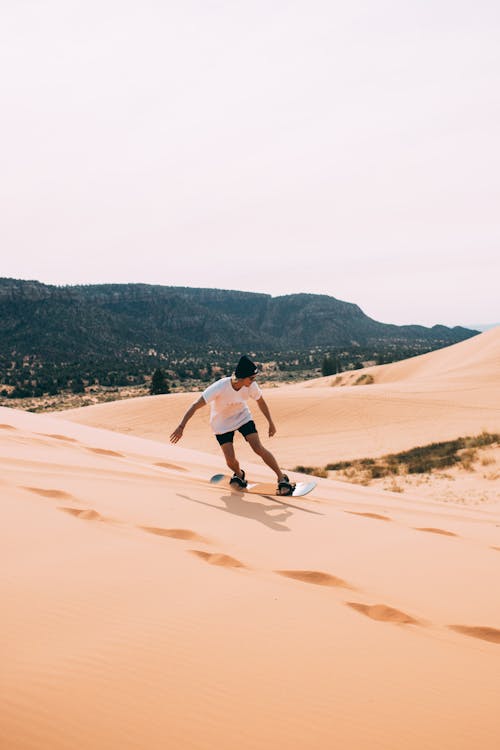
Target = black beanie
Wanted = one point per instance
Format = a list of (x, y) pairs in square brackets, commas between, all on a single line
[(245, 368)]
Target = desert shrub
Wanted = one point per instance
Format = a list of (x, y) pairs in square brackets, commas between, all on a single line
[(378, 471), (394, 487), (425, 458), (467, 458), (364, 380), (312, 470), (421, 466), (339, 466), (487, 461), (480, 441), (304, 469), (337, 381)]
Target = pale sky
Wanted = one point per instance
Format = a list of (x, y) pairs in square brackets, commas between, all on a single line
[(342, 148)]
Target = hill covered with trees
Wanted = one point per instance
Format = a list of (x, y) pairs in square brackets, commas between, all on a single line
[(61, 322), (71, 336)]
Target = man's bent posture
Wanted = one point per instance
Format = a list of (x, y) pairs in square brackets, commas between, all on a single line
[(229, 412)]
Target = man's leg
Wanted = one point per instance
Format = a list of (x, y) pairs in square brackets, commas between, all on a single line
[(254, 441), (231, 460)]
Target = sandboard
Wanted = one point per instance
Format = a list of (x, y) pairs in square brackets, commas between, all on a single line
[(264, 488)]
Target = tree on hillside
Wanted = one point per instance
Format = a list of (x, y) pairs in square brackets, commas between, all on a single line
[(77, 385), (330, 366), (158, 383)]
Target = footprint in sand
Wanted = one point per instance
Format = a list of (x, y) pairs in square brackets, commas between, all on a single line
[(59, 437), (85, 515), (377, 516), (497, 548), (164, 465), (316, 577), (184, 534), (431, 530), (217, 558), (383, 613), (55, 494), (104, 452), (480, 631)]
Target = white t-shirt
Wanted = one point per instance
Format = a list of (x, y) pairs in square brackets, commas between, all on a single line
[(228, 408)]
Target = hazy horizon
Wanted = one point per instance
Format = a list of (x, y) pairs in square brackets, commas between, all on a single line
[(278, 148)]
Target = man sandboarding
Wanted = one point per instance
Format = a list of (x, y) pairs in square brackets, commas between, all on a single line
[(229, 412)]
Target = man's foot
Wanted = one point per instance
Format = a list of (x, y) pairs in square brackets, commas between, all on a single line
[(285, 487), (239, 481)]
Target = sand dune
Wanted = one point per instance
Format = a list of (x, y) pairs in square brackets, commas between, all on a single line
[(437, 396), (146, 608), (474, 359)]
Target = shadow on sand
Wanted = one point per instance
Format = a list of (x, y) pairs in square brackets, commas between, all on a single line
[(239, 504)]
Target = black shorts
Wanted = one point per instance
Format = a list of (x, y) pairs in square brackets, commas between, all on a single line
[(248, 428)]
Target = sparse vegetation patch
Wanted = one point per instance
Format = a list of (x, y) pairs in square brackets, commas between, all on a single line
[(420, 460)]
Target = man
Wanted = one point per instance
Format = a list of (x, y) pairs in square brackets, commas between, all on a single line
[(229, 412)]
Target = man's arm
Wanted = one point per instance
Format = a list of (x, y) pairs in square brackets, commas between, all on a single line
[(265, 411), (177, 433)]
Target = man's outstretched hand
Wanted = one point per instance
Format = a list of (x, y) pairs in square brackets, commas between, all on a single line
[(177, 434)]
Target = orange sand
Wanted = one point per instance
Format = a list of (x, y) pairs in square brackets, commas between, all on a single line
[(145, 608)]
